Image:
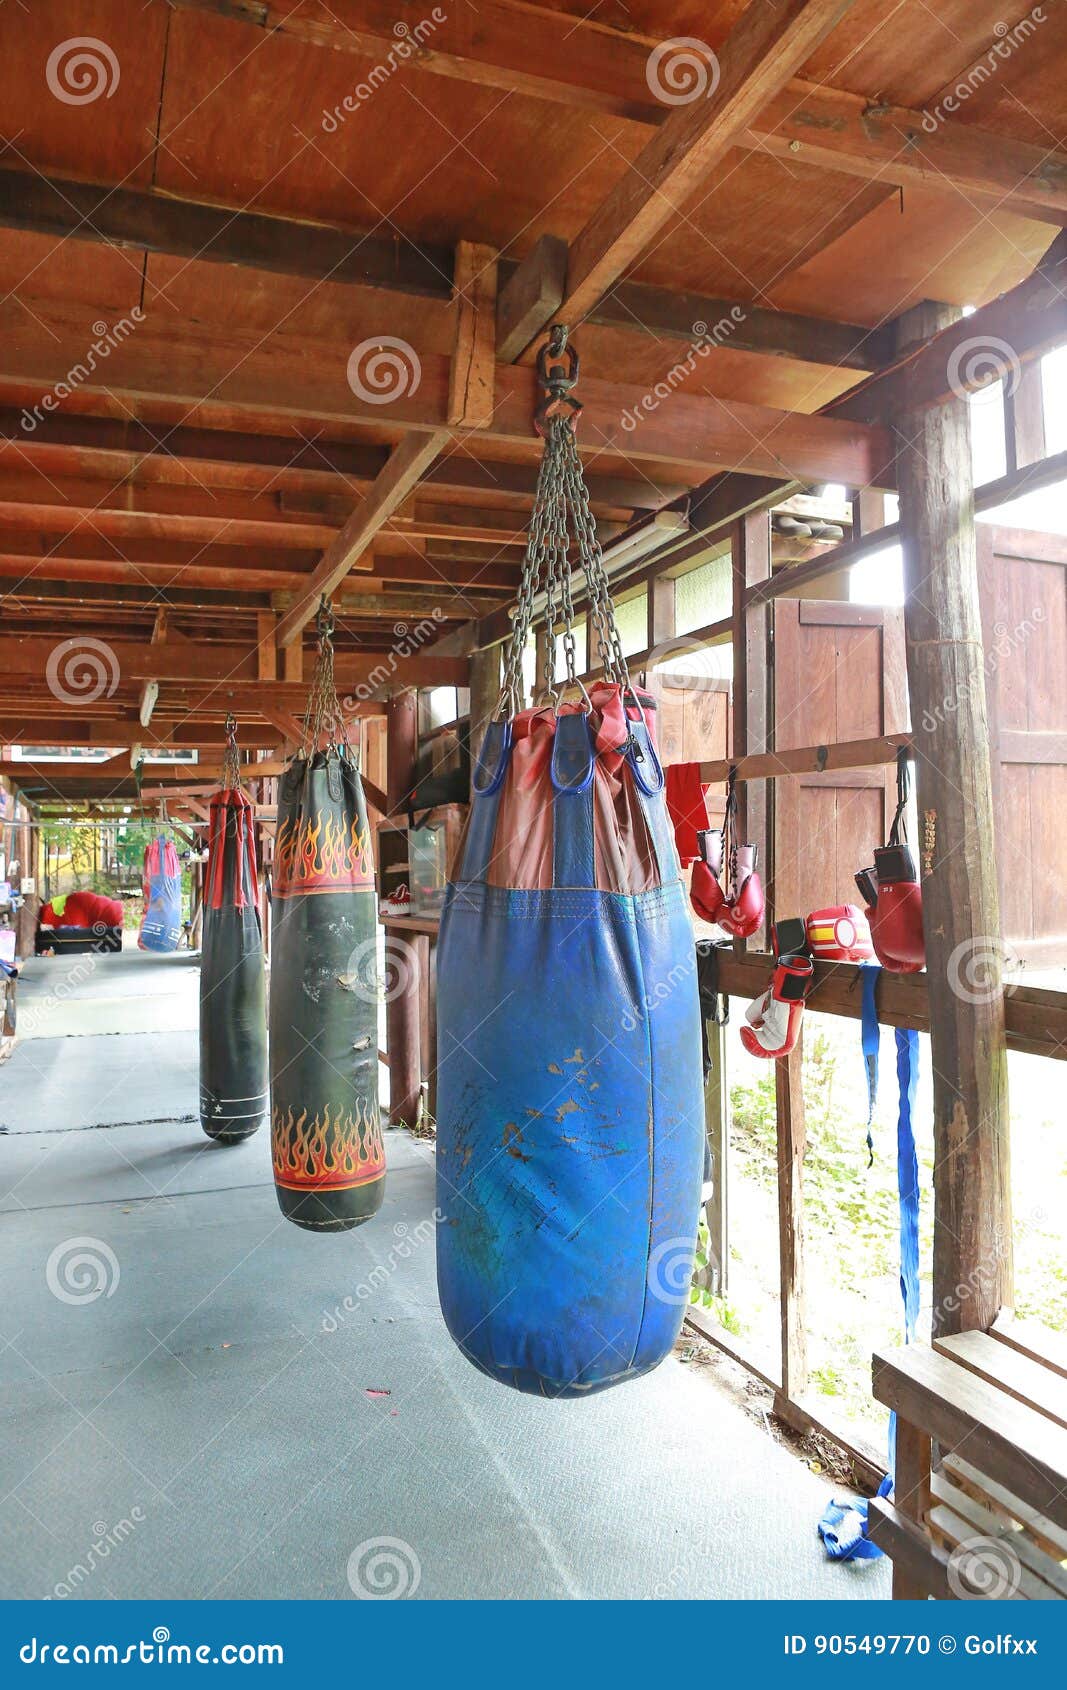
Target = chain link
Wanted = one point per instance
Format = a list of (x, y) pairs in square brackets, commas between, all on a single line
[(562, 538), (323, 714)]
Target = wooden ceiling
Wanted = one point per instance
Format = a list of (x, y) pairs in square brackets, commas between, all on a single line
[(232, 235)]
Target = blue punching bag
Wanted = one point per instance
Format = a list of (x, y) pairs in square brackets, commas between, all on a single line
[(570, 1113), (161, 921)]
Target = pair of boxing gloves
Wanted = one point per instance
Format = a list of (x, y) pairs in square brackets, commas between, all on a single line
[(739, 910), (773, 1021)]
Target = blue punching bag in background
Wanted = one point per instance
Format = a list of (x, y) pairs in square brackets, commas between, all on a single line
[(161, 921), (570, 1108)]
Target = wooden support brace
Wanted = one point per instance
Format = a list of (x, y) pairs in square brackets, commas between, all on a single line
[(472, 376)]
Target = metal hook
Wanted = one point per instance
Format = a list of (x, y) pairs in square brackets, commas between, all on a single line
[(557, 372)]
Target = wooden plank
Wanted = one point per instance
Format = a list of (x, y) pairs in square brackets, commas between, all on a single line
[(696, 319), (471, 380), (762, 51), (1030, 1339), (791, 1142), (1021, 1448), (911, 1500), (266, 650), (530, 296), (346, 552), (961, 912), (822, 125), (1003, 1553), (187, 228), (814, 759), (717, 1130), (1048, 1536), (1026, 1380), (919, 1567), (190, 660), (84, 524)]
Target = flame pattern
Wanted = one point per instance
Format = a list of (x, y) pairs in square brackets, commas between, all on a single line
[(321, 854), (328, 1152)]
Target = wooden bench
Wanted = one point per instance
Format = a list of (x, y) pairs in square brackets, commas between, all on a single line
[(979, 1506)]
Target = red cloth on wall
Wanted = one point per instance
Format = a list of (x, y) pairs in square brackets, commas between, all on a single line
[(686, 794)]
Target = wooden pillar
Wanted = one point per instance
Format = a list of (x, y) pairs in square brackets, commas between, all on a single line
[(792, 1142), (961, 911), (294, 660), (485, 693), (717, 1129), (661, 611), (751, 559), (401, 745), (402, 1010)]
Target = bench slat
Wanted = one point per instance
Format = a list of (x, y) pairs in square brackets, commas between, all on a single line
[(1045, 1534), (1041, 1578), (1048, 1348), (1001, 1364), (1020, 1447)]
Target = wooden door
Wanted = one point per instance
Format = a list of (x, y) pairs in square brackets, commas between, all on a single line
[(839, 674), (1023, 586)]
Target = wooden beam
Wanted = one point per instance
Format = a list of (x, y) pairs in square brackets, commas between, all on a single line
[(530, 297), (790, 1138), (967, 353), (471, 380), (762, 51), (751, 560), (288, 375), (217, 234), (111, 523), (807, 759), (742, 326), (221, 663), (961, 910), (821, 125), (266, 649), (406, 465)]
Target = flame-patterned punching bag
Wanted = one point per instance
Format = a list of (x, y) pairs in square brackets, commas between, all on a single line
[(326, 1136), (233, 1004)]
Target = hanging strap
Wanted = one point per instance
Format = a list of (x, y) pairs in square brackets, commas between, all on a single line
[(898, 833), (870, 1037)]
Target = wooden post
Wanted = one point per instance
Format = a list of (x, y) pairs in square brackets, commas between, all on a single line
[(717, 1128), (751, 557), (792, 1142), (661, 595), (1024, 418), (402, 1011), (485, 693), (961, 911), (911, 1495)]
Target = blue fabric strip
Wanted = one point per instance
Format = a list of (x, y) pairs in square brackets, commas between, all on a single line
[(870, 1039), (574, 862)]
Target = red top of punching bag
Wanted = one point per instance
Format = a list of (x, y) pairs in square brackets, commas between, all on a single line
[(233, 812)]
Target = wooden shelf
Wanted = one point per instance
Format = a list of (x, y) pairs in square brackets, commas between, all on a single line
[(411, 923)]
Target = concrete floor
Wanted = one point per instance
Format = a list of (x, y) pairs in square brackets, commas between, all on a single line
[(195, 1411)]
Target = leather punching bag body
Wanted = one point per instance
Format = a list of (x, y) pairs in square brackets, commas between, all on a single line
[(233, 1006), (161, 922), (570, 1121), (326, 1136)]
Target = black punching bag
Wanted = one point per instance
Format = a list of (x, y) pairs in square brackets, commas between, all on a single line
[(326, 1135), (233, 1009)]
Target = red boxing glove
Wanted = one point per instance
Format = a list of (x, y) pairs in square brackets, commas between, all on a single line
[(773, 1021), (705, 893), (897, 918), (841, 934), (742, 912)]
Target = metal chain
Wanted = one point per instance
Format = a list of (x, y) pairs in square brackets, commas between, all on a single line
[(323, 713), (231, 760), (561, 515)]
